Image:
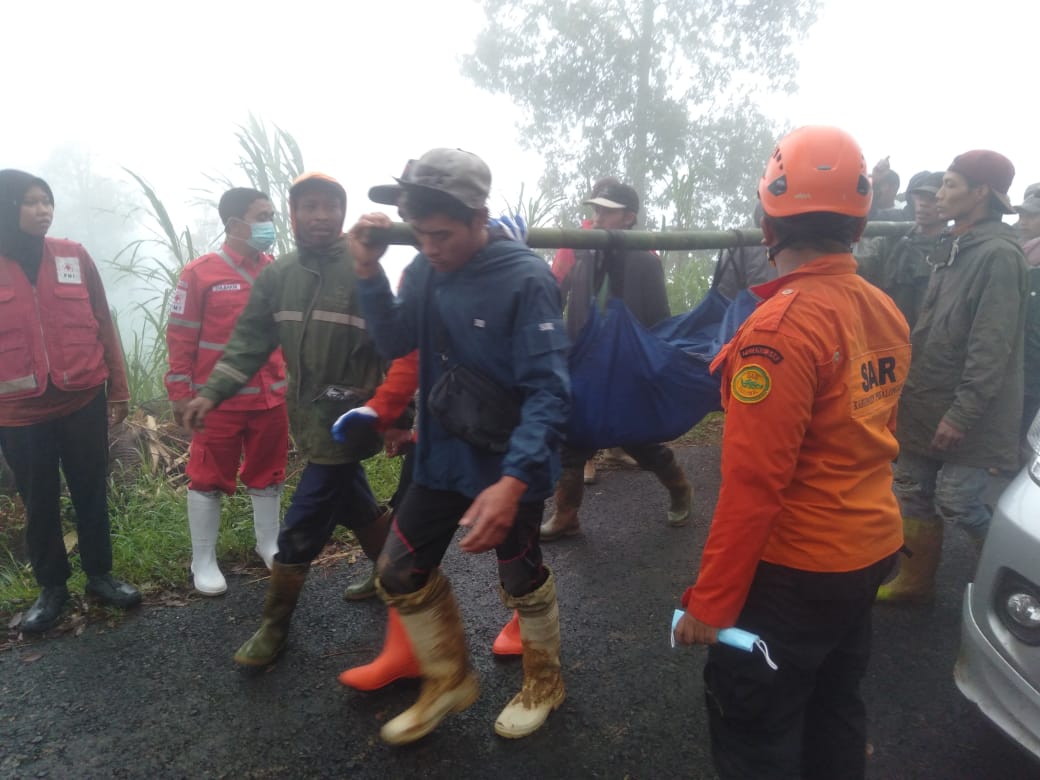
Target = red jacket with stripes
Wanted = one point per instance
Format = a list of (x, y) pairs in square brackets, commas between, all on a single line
[(211, 293)]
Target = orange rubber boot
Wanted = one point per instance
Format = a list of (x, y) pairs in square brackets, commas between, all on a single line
[(396, 661), (508, 640)]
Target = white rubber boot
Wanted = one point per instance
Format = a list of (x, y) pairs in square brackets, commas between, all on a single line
[(543, 689), (204, 524), (267, 509)]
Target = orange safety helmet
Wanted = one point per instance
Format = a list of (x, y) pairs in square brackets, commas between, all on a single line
[(816, 169)]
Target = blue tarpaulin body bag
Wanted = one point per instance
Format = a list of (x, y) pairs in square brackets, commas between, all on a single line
[(631, 385)]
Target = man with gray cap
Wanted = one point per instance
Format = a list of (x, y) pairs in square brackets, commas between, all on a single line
[(637, 278), (961, 408), (898, 265), (484, 312)]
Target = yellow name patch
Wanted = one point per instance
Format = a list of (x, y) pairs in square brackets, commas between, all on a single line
[(751, 384)]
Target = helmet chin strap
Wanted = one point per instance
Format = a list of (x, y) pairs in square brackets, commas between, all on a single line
[(782, 244), (777, 248)]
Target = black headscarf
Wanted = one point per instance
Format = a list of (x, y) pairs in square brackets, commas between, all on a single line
[(24, 249)]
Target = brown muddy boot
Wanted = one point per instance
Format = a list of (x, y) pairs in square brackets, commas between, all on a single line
[(589, 472), (616, 456), (361, 588), (263, 647), (431, 618), (543, 689), (681, 492), (371, 538), (566, 502), (915, 583)]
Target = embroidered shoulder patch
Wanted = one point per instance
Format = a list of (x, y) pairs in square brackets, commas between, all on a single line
[(751, 384), (762, 350)]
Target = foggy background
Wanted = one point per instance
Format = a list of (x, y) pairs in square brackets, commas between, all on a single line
[(91, 89)]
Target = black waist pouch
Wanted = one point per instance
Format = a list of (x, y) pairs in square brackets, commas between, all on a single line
[(474, 408)]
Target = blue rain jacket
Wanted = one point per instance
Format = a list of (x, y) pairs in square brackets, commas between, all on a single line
[(501, 315)]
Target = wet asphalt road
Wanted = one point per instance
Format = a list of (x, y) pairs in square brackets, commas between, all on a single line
[(158, 697)]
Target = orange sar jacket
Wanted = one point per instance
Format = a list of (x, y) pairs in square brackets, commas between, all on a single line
[(211, 293), (810, 386)]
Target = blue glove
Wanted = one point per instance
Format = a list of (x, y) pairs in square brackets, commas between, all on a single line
[(355, 419), (515, 227)]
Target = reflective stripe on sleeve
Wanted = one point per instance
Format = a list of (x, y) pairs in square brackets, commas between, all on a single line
[(279, 384), (234, 373), (212, 345), (288, 316), (337, 317), (178, 378), (186, 323)]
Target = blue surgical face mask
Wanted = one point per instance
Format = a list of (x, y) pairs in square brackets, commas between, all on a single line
[(261, 236)]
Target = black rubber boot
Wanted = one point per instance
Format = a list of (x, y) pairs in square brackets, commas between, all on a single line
[(46, 610)]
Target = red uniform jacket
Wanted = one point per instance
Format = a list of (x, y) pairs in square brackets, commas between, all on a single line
[(212, 292)]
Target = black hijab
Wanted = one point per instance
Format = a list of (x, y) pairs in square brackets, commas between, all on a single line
[(24, 249)]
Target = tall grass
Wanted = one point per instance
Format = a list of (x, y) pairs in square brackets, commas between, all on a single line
[(271, 161), (153, 264)]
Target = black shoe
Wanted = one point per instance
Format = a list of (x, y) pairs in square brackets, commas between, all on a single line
[(108, 590), (46, 611)]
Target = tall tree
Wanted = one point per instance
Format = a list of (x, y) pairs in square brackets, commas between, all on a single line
[(661, 92)]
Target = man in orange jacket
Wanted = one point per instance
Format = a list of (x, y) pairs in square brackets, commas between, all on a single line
[(252, 427), (806, 526)]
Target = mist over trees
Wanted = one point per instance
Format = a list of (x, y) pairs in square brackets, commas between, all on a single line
[(661, 93)]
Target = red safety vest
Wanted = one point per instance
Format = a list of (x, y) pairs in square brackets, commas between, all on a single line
[(49, 330)]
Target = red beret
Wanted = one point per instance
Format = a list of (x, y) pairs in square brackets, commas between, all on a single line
[(981, 166)]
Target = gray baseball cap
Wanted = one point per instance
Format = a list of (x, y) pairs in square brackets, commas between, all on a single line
[(925, 181), (1031, 202), (455, 172), (1030, 205)]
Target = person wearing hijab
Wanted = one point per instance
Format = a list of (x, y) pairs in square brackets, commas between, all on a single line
[(62, 384)]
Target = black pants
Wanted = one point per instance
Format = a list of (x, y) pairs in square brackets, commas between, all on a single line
[(652, 457), (77, 444), (424, 526), (405, 480), (807, 719), (326, 496)]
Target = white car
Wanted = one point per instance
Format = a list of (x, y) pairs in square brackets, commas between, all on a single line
[(998, 666)]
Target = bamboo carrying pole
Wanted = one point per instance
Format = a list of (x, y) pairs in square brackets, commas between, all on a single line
[(575, 238)]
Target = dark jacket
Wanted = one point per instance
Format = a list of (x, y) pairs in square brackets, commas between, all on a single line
[(498, 315), (967, 350), (1032, 347), (307, 302), (899, 266), (637, 278), (743, 267)]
